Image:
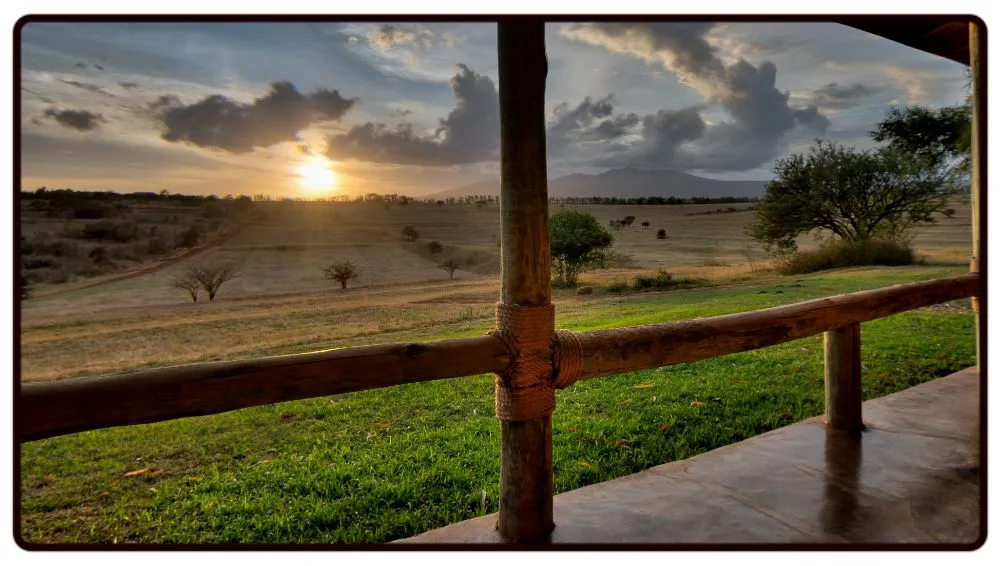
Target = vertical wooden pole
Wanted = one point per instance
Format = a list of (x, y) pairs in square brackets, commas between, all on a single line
[(526, 446), (842, 373), (976, 181)]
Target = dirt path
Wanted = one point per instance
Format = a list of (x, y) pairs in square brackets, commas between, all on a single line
[(151, 269)]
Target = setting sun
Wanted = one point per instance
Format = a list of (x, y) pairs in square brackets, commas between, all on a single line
[(315, 174)]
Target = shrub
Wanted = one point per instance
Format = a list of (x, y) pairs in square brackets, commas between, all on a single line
[(645, 224), (844, 253), (617, 287), (434, 247), (661, 234), (342, 272), (661, 280), (157, 246), (411, 234), (450, 266), (110, 231), (41, 263), (98, 255), (25, 284), (191, 237)]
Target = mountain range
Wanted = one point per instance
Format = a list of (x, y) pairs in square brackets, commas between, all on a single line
[(625, 183)]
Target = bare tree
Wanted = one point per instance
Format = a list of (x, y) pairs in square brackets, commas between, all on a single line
[(450, 266), (342, 272), (187, 282), (211, 277)]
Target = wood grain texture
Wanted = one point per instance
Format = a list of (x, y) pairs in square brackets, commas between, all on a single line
[(978, 196), (526, 446), (61, 407), (609, 352), (842, 378)]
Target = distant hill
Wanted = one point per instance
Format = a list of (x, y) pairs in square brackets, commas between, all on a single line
[(626, 183)]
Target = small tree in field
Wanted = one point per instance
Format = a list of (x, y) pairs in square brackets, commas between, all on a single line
[(628, 220), (411, 234), (211, 277), (434, 247), (187, 282), (661, 234), (342, 272), (856, 195), (645, 224), (576, 241), (451, 266)]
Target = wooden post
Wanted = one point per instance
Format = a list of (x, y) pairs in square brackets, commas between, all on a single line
[(978, 195), (842, 373), (526, 446)]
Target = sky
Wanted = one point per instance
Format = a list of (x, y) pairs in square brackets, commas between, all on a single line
[(412, 108)]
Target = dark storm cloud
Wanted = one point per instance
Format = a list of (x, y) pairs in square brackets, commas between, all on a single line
[(470, 133), (761, 115), (128, 85), (589, 121), (839, 97), (80, 120), (219, 122)]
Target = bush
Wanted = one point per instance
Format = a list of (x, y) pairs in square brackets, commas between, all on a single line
[(41, 263), (844, 253), (157, 246), (661, 280), (99, 254), (661, 234), (434, 247), (110, 231), (618, 287), (342, 272), (411, 234), (191, 237)]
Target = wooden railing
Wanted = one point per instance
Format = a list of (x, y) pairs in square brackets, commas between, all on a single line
[(55, 408), (50, 409)]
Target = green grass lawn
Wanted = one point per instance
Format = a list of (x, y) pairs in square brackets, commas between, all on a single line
[(384, 464)]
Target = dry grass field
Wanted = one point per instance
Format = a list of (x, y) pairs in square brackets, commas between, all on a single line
[(282, 304)]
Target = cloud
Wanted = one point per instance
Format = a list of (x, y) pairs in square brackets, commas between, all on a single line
[(834, 96), (128, 86), (470, 133), (389, 36), (89, 87), (80, 120), (399, 112), (761, 114), (219, 122), (589, 121)]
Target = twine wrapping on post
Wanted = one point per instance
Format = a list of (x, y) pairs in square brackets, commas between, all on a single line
[(524, 389), (568, 359)]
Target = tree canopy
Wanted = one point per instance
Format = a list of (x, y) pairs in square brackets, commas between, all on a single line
[(576, 240), (857, 195), (942, 136)]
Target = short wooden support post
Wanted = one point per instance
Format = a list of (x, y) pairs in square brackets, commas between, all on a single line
[(525, 317), (842, 374)]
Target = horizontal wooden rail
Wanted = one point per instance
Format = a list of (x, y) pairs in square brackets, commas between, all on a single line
[(60, 407), (620, 350)]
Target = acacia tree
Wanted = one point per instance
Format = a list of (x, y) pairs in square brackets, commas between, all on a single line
[(342, 272), (576, 241), (856, 195), (189, 283), (211, 277), (451, 266), (942, 136)]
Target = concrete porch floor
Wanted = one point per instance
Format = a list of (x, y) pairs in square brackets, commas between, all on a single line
[(913, 477)]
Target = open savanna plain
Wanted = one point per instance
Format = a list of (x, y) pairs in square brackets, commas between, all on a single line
[(383, 464)]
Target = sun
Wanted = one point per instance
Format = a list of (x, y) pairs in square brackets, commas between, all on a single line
[(315, 174)]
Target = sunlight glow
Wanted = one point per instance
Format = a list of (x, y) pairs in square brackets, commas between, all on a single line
[(315, 174)]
